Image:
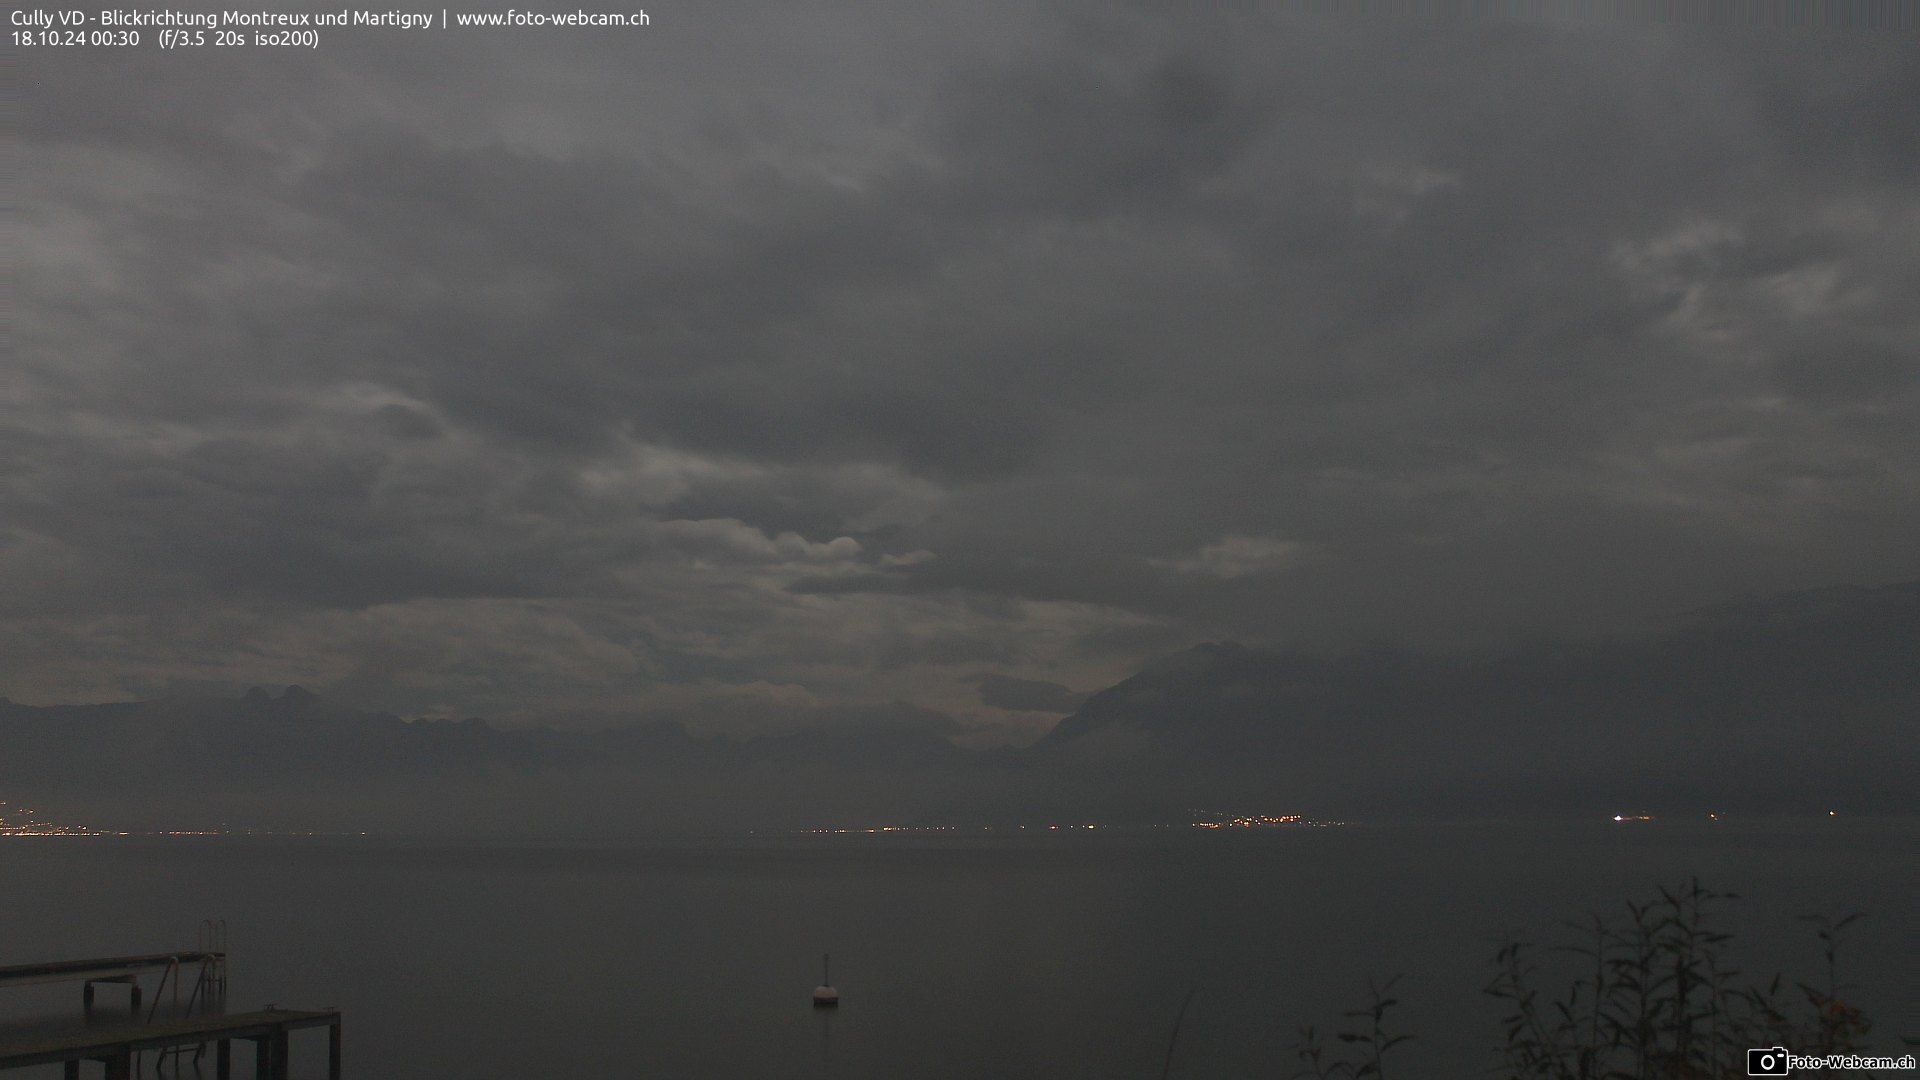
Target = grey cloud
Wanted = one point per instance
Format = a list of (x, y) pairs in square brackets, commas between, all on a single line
[(484, 387)]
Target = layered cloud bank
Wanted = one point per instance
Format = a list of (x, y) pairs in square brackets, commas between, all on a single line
[(781, 359), (1793, 705)]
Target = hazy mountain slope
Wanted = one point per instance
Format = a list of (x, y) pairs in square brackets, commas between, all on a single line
[(1786, 702), (1782, 703)]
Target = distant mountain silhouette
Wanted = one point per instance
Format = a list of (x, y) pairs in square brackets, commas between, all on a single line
[(292, 759), (1783, 702), (1777, 703)]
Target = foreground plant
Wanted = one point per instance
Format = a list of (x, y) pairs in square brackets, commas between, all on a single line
[(1660, 1002), (1652, 996), (1364, 1040)]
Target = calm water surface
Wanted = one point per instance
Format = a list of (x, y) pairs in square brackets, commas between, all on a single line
[(1053, 955)]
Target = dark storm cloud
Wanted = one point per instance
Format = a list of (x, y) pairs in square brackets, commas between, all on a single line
[(808, 361)]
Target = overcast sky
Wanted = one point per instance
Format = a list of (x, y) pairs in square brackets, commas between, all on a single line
[(779, 357)]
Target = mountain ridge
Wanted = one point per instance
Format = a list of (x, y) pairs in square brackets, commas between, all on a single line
[(1793, 702)]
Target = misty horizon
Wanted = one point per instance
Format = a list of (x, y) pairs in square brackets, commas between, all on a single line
[(1714, 716)]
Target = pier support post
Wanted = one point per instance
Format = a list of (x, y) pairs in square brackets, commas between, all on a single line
[(333, 1050), (263, 1057), (72, 1071), (279, 1041), (223, 1060), (120, 1066)]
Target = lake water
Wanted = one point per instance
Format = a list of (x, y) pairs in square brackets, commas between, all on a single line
[(1043, 955)]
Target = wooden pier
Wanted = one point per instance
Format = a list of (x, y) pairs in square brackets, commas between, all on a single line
[(104, 968), (112, 969), (115, 1047)]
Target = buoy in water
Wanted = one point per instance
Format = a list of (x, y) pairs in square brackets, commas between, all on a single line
[(824, 995)]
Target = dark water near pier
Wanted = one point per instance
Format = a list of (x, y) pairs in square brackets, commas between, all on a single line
[(1048, 956)]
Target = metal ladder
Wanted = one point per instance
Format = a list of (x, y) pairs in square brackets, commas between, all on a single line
[(209, 989)]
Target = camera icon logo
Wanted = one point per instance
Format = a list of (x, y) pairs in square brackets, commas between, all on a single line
[(1769, 1062)]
